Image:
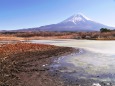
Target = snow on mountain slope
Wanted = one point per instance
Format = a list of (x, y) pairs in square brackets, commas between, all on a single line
[(78, 22), (77, 18)]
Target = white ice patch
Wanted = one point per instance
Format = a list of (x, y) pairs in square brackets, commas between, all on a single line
[(96, 84)]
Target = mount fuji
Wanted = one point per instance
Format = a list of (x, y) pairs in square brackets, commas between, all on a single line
[(78, 22)]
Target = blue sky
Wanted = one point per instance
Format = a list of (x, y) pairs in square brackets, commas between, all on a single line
[(19, 14)]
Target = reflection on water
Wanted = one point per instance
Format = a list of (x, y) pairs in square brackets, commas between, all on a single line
[(96, 60)]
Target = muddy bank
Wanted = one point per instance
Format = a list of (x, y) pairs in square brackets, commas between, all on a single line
[(25, 64)]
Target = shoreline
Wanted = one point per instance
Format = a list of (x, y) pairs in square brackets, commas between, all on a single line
[(20, 39), (30, 68)]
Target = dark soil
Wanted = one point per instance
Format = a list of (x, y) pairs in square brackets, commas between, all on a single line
[(27, 66)]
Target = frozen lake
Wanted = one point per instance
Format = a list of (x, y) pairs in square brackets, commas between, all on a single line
[(95, 61)]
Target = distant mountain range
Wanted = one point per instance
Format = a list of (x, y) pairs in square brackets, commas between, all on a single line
[(78, 22)]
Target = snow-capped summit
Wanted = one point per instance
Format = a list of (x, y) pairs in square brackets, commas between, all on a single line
[(77, 18), (78, 22)]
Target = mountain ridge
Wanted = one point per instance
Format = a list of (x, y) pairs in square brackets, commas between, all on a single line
[(77, 22)]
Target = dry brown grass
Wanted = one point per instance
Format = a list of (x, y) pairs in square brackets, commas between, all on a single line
[(35, 35), (10, 38), (22, 47), (56, 35)]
